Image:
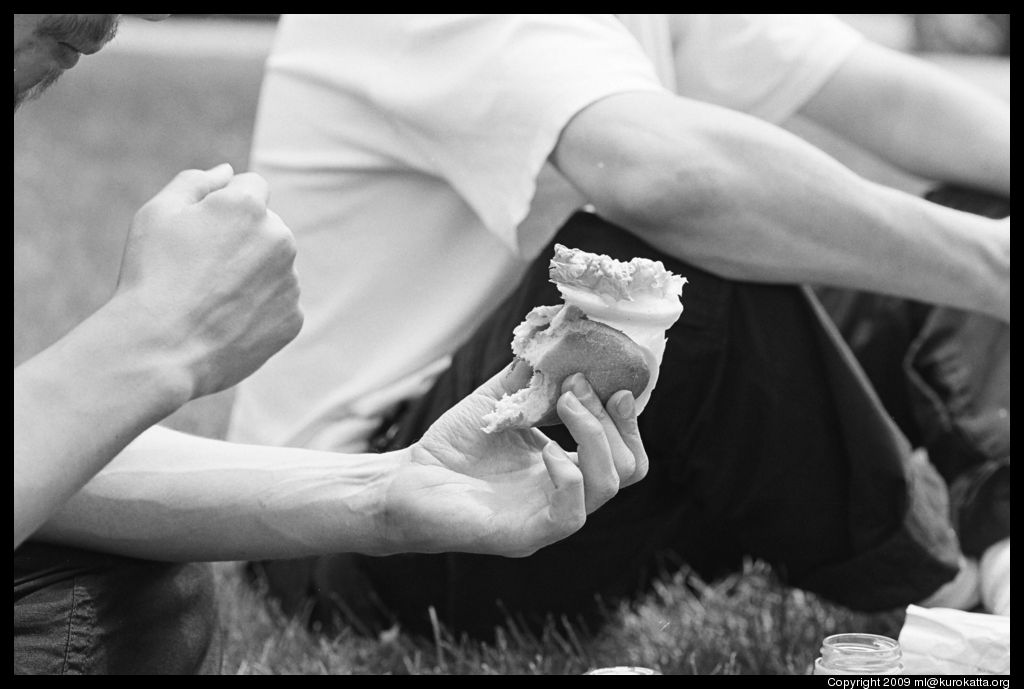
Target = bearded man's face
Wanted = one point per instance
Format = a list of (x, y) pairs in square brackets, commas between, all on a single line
[(47, 44)]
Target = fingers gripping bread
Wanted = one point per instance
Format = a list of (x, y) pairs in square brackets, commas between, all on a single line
[(611, 328), (553, 343)]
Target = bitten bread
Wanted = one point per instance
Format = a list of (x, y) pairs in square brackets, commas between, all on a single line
[(611, 328), (553, 343)]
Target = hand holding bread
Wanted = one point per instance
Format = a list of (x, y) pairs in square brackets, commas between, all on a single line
[(484, 479), (511, 493), (611, 329)]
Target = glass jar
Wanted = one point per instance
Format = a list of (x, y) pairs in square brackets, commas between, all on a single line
[(859, 654)]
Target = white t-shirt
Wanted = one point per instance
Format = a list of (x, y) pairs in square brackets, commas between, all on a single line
[(406, 151)]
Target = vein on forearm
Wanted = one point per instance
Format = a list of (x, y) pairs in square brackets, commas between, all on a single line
[(750, 201), (175, 497)]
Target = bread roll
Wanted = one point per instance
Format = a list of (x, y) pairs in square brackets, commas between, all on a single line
[(553, 343), (611, 328)]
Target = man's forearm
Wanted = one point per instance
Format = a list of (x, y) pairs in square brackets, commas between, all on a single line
[(751, 201), (919, 117), (175, 497), (79, 402)]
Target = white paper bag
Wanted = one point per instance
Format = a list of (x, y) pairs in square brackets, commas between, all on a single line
[(943, 641)]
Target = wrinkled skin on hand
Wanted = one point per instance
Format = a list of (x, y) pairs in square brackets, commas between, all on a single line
[(513, 492)]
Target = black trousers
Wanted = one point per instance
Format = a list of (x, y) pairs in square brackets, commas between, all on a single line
[(766, 442), (944, 377)]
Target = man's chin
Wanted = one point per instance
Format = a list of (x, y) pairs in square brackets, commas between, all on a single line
[(22, 97)]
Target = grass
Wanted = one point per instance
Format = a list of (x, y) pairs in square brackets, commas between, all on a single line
[(101, 143), (745, 624)]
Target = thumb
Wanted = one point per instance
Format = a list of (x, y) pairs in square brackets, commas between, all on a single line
[(515, 376), (192, 186)]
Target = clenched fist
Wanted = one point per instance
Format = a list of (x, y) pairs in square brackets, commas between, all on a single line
[(212, 268)]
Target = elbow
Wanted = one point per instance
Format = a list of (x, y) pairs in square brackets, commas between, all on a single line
[(670, 193)]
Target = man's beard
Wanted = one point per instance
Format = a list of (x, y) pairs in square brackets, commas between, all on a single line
[(36, 90), (94, 29)]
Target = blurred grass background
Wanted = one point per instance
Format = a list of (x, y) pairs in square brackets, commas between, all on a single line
[(182, 94), (91, 151)]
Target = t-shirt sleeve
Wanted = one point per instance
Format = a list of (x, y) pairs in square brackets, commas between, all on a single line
[(767, 65), (480, 100)]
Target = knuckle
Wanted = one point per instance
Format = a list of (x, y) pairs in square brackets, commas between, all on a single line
[(640, 472), (285, 285), (593, 404), (578, 520), (641, 454), (631, 436), (629, 422), (627, 466), (581, 388), (607, 490), (575, 480), (241, 201), (252, 178), (613, 484), (190, 176), (296, 322), (287, 246), (580, 413), (279, 248), (160, 204), (593, 425), (249, 202), (282, 252)]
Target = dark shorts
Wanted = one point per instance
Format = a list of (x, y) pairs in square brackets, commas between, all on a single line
[(80, 612), (766, 442)]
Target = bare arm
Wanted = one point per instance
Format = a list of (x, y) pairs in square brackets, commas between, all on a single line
[(78, 403), (206, 293), (919, 117), (751, 201), (172, 496)]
